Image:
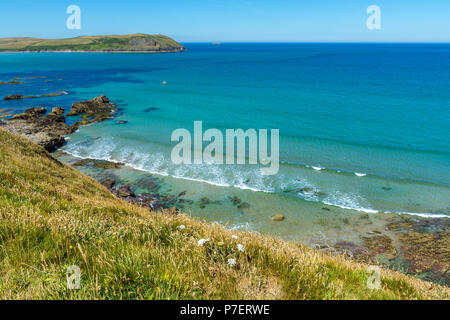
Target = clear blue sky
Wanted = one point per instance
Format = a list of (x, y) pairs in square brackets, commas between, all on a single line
[(233, 20)]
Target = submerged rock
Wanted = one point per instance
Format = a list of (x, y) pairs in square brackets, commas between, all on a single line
[(108, 183), (103, 164), (244, 205), (277, 217), (121, 122), (125, 191)]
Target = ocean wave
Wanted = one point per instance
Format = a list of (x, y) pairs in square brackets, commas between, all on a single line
[(250, 179)]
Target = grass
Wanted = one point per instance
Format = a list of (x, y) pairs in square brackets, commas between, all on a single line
[(53, 217), (88, 43)]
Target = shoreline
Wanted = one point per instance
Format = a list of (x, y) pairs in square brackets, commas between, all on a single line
[(97, 51)]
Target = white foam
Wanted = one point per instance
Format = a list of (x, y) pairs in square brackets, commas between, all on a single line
[(360, 174), (317, 168)]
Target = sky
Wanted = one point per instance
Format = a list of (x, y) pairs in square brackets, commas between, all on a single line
[(233, 20)]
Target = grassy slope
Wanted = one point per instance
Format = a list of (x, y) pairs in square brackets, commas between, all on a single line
[(53, 216), (85, 43)]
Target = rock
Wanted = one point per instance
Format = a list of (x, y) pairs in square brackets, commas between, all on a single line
[(48, 131), (19, 96), (108, 183), (102, 164), (121, 122), (14, 97), (326, 209), (97, 105), (386, 188), (31, 113), (235, 200), (82, 163), (57, 111), (125, 191), (150, 109), (307, 189), (278, 217), (244, 205)]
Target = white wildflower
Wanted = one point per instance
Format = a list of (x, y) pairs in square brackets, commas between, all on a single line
[(232, 262), (235, 237), (201, 242), (182, 227), (240, 247)]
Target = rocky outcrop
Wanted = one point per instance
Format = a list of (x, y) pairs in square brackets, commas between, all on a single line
[(95, 110), (20, 97), (97, 105), (49, 130)]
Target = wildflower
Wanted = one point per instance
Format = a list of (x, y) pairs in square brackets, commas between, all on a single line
[(182, 227), (235, 237), (140, 222), (232, 262), (201, 242), (240, 247), (99, 241)]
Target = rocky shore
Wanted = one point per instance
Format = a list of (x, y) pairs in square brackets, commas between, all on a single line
[(50, 130)]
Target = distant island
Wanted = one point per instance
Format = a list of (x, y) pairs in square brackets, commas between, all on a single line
[(113, 43)]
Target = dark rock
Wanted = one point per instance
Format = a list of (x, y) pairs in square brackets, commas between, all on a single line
[(150, 109), (121, 122), (125, 191), (57, 111), (235, 200), (108, 183), (19, 96), (82, 163), (102, 164), (14, 97), (31, 113), (386, 188), (97, 105), (244, 205)]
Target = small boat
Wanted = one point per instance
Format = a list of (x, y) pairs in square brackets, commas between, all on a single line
[(164, 82), (216, 43)]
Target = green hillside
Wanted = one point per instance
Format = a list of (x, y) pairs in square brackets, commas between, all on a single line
[(53, 217), (132, 42)]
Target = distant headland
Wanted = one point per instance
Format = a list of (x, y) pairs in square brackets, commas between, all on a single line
[(112, 43)]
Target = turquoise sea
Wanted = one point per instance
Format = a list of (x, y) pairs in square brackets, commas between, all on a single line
[(364, 128)]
